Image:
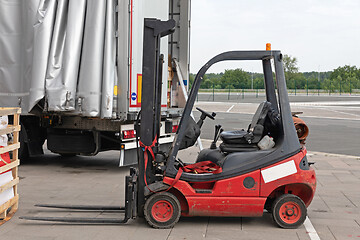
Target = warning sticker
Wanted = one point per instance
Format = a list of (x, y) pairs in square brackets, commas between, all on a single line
[(133, 96)]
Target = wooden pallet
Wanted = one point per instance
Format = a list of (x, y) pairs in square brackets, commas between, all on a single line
[(8, 209)]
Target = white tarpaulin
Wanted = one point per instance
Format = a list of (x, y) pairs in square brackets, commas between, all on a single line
[(58, 55)]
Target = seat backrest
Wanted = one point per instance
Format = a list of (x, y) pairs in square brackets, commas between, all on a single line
[(255, 131), (260, 114)]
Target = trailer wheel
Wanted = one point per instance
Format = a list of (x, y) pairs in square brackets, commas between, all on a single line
[(67, 155), (289, 211), (24, 150), (162, 210)]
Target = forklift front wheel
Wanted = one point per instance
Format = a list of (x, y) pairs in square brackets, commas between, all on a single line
[(289, 211), (162, 210)]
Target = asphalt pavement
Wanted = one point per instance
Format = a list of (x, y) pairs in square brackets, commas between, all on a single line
[(341, 136), (333, 121), (333, 215), (333, 144)]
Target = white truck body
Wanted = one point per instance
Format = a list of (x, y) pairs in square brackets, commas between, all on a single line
[(76, 65)]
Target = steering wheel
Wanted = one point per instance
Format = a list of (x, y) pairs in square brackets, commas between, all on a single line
[(211, 116)]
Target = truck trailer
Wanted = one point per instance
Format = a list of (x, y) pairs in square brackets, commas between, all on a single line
[(75, 69)]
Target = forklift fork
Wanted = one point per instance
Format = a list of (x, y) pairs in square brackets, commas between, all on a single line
[(130, 208)]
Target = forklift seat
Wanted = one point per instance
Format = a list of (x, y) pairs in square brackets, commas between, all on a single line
[(255, 130), (241, 140)]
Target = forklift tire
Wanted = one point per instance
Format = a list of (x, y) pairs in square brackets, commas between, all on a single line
[(162, 210), (289, 211)]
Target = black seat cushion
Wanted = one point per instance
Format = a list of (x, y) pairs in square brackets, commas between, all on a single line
[(230, 148), (235, 137), (213, 155)]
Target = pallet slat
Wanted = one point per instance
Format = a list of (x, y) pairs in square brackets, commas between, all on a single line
[(9, 185), (10, 129), (9, 166), (9, 203), (10, 147), (9, 111)]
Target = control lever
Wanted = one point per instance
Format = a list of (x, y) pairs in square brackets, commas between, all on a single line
[(218, 131)]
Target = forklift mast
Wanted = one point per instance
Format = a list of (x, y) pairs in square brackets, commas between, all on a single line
[(154, 30)]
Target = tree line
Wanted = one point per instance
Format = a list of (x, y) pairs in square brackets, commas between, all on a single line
[(341, 79)]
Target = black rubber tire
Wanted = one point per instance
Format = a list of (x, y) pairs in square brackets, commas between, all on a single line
[(67, 155), (292, 200), (268, 205), (156, 198), (24, 150)]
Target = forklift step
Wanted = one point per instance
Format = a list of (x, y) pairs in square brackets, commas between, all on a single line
[(203, 190)]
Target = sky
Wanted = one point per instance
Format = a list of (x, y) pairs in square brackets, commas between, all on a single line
[(321, 34)]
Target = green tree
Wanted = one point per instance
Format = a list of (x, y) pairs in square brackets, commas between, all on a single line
[(329, 85), (298, 81), (313, 83), (291, 70), (235, 78), (259, 83), (345, 78), (191, 80), (208, 80), (290, 65)]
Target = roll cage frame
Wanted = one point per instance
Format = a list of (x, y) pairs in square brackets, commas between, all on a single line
[(288, 144)]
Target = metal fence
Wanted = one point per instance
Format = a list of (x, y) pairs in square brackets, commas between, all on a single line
[(224, 95)]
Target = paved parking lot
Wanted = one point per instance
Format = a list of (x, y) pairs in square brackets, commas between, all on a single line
[(334, 212), (334, 125)]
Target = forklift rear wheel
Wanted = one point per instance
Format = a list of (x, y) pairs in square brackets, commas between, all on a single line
[(162, 210), (289, 211)]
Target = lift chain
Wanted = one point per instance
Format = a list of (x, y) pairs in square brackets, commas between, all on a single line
[(146, 157)]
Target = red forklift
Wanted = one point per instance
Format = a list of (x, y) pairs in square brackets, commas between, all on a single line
[(236, 178)]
